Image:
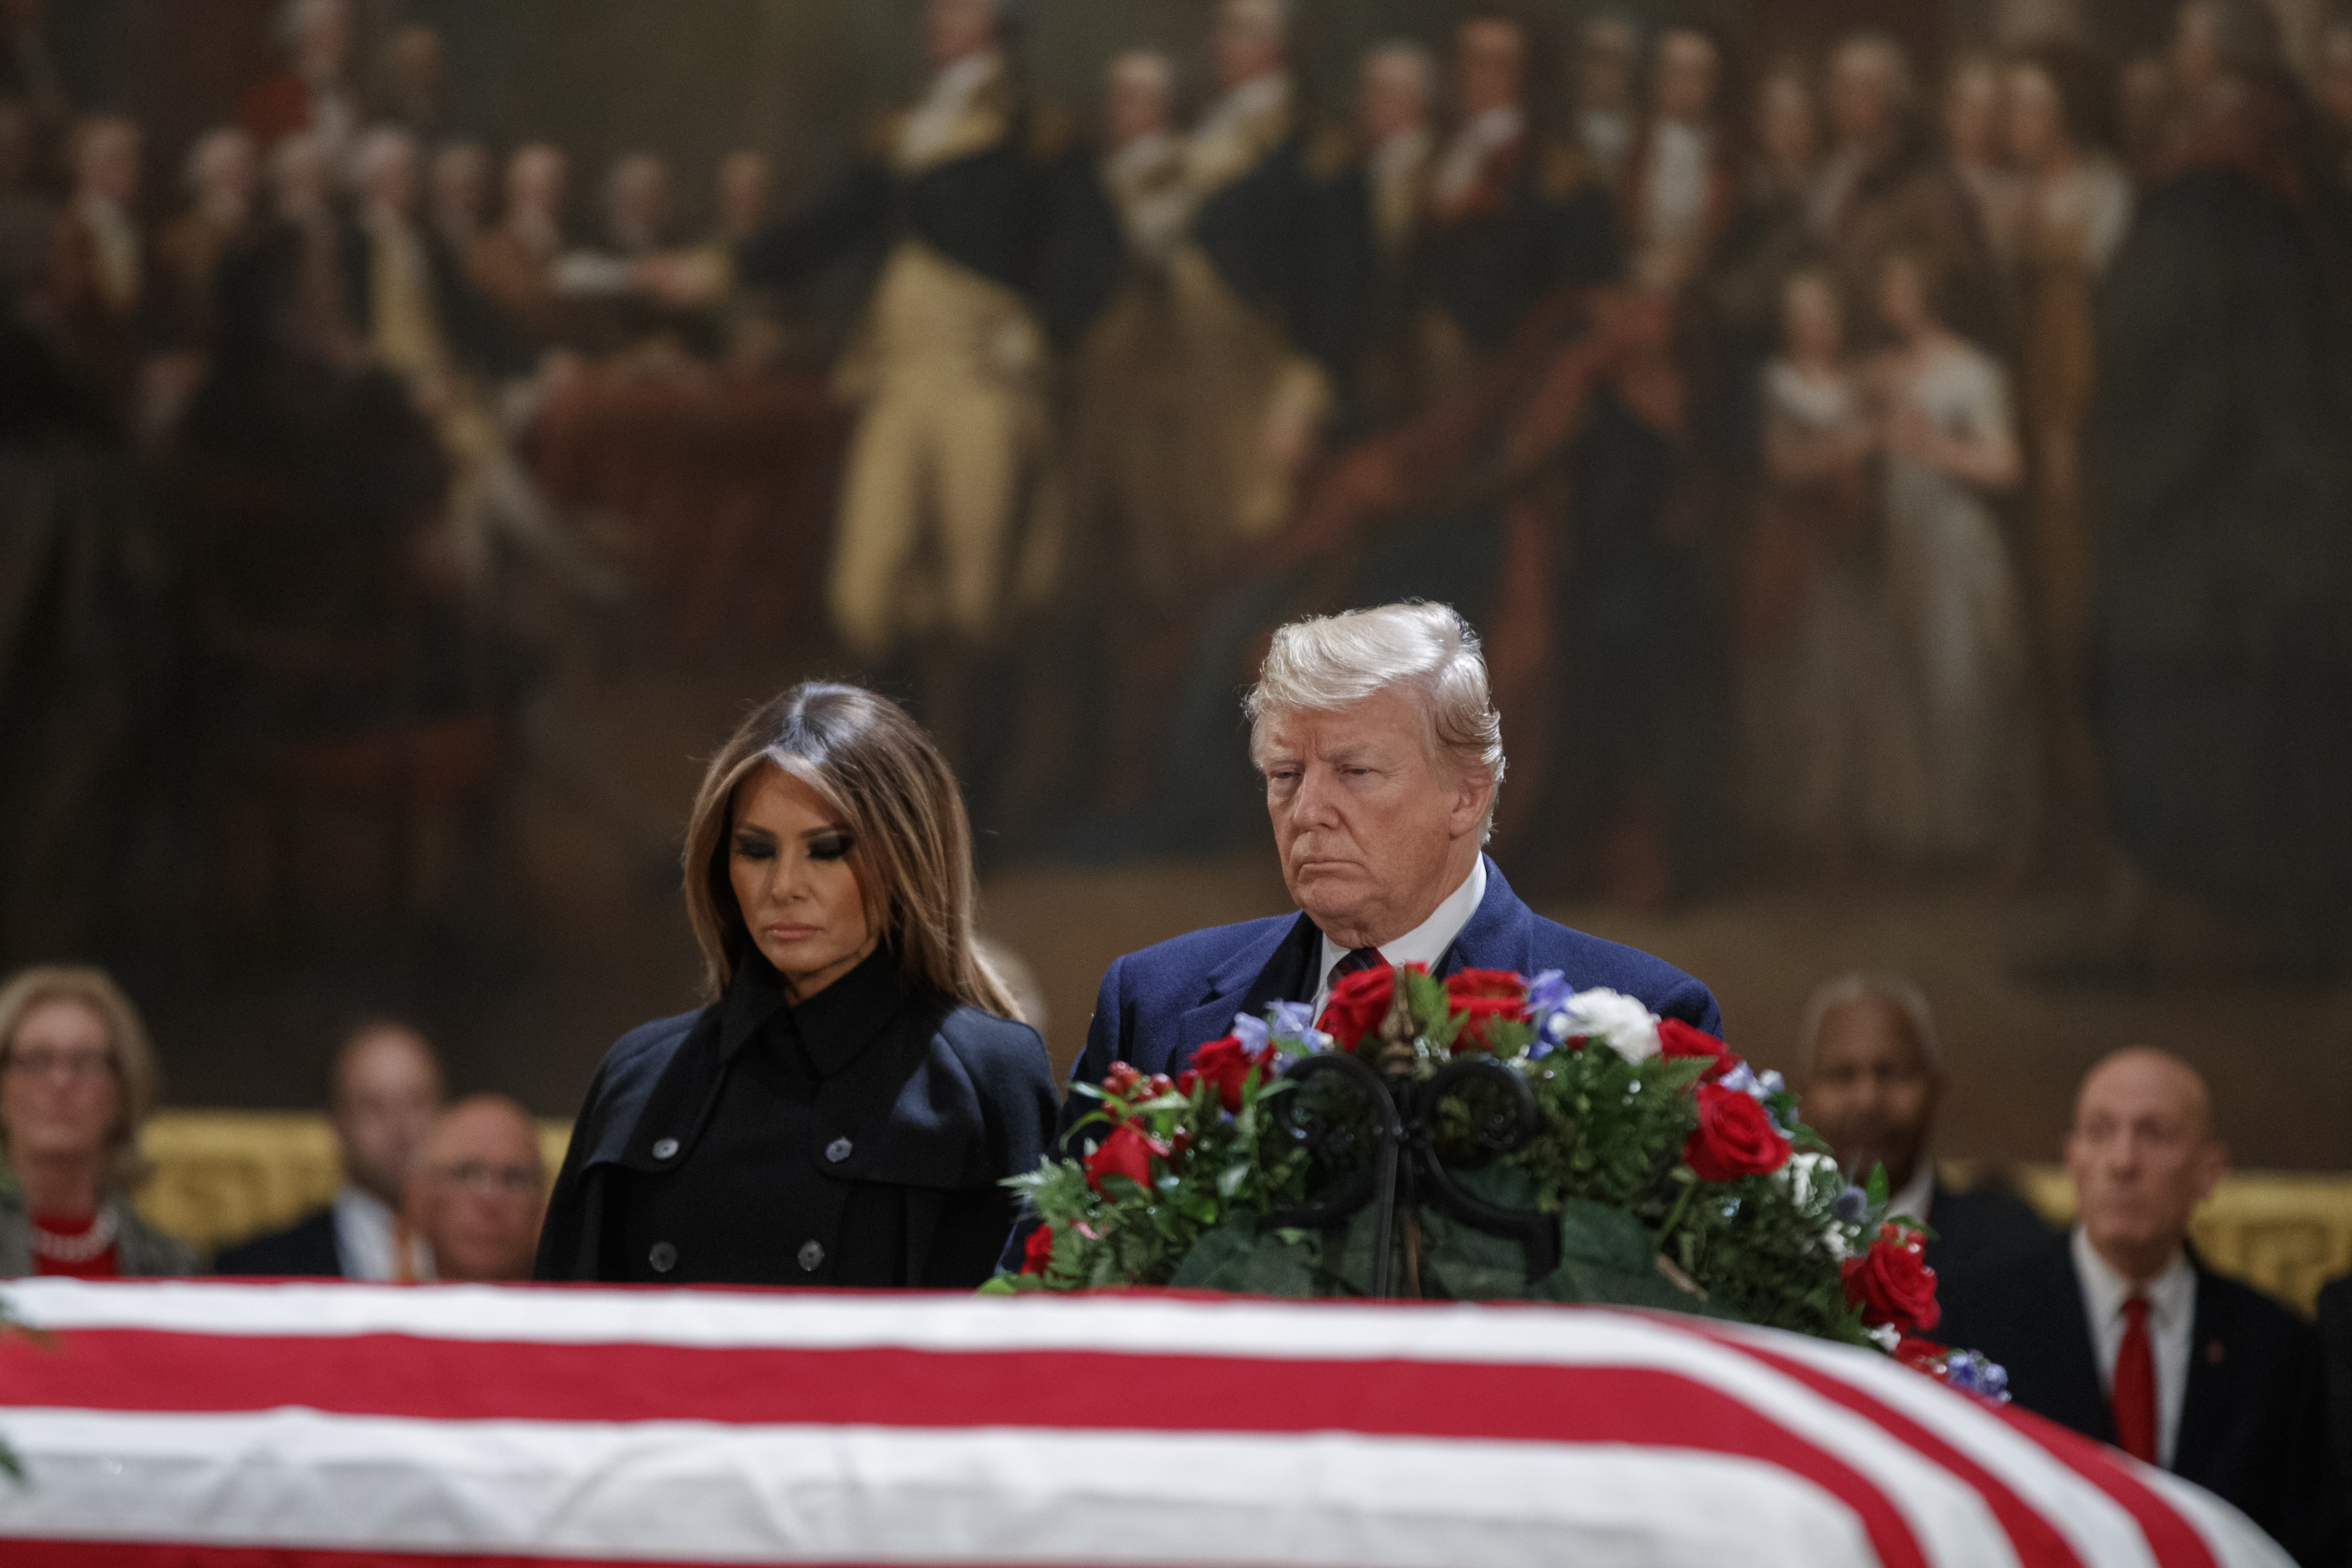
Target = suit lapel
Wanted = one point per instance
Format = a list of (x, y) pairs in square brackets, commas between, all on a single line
[(1495, 936), (1260, 975), (2076, 1397), (2205, 1402)]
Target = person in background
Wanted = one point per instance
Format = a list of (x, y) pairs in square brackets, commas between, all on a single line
[(2076, 205), (744, 191), (845, 1109), (1606, 68), (1949, 437), (476, 1191), (222, 177), (78, 1079), (411, 95), (2118, 1330), (387, 1092), (1396, 89), (98, 283), (312, 93), (1677, 197), (2336, 1335), (1870, 1076), (1971, 124), (512, 265)]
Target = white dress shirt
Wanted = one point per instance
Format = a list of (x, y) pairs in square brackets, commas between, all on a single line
[(1467, 154), (365, 1235), (2171, 1316), (936, 118), (1425, 943)]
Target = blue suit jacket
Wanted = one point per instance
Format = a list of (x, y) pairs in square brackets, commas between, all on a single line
[(1158, 1006)]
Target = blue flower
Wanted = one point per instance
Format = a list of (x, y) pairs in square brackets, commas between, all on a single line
[(1969, 1371), (1548, 992), (1852, 1205), (1743, 1078), (1252, 1032), (1291, 1021)]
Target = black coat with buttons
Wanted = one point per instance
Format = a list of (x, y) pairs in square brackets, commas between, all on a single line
[(857, 1141)]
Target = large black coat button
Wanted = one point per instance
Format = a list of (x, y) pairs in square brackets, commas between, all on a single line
[(664, 1257), (812, 1256), (837, 1150)]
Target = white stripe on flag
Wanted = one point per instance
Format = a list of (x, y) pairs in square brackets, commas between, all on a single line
[(690, 1492), (2235, 1541)]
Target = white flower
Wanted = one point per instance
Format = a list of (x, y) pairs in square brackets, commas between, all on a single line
[(1886, 1336), (1806, 1175), (1629, 1029)]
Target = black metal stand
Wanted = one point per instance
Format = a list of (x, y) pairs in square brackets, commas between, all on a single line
[(1405, 1171)]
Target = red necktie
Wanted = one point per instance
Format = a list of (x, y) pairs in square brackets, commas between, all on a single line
[(2135, 1387)]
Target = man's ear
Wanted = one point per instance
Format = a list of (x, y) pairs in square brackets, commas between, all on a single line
[(2212, 1165), (1471, 796)]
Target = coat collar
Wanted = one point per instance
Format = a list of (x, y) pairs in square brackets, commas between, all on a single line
[(834, 1026)]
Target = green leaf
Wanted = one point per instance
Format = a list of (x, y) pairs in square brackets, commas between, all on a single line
[(1235, 1257)]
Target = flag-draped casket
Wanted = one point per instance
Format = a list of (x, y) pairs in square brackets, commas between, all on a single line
[(204, 1423)]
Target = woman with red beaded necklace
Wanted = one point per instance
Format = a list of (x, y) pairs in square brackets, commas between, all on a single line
[(77, 1079)]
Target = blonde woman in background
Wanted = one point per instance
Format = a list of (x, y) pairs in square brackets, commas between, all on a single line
[(77, 1079), (845, 1109)]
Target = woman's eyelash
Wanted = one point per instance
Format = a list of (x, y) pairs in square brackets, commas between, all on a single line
[(754, 848), (831, 849)]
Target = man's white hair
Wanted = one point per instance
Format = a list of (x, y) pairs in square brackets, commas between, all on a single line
[(1328, 662), (1893, 989)]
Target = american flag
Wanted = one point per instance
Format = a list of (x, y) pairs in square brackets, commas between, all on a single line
[(216, 1424)]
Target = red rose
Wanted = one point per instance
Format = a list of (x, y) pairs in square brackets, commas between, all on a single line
[(1484, 995), (1038, 1250), (1891, 1283), (1121, 1078), (1924, 1355), (1734, 1138), (1127, 1152), (1358, 1005), (1226, 1063), (1676, 1038)]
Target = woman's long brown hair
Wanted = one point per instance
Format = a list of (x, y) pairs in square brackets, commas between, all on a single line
[(911, 841)]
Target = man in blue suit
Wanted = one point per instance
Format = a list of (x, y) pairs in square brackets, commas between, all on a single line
[(1381, 752)]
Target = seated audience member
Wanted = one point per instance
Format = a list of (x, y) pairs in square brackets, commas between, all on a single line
[(478, 1191), (387, 1087), (1381, 754), (2120, 1332), (77, 1079), (1872, 1075)]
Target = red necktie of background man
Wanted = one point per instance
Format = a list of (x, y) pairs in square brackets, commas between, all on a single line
[(2133, 1397)]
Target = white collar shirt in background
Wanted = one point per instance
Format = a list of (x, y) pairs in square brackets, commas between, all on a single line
[(1425, 943), (1916, 1195), (936, 119), (366, 1235), (1467, 154), (2171, 1317)]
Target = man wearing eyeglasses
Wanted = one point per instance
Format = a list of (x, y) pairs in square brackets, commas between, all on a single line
[(477, 1191)]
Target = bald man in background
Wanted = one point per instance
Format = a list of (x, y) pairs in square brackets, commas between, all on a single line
[(1872, 1074), (386, 1091), (2119, 1331), (477, 1191)]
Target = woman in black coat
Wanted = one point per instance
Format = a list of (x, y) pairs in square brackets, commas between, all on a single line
[(843, 1111)]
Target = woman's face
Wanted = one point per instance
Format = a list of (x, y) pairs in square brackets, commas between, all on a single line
[(58, 1095), (794, 867)]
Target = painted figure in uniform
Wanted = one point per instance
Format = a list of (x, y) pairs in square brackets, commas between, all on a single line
[(947, 365)]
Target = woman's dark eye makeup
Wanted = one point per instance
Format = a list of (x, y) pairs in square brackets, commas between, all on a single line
[(829, 846), (753, 848)]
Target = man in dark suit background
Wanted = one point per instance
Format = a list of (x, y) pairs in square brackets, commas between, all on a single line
[(386, 1092), (2120, 1332), (2335, 1336), (1872, 1072), (1381, 752)]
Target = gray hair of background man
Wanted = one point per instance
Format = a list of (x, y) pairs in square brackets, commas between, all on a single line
[(1893, 989), (1328, 662)]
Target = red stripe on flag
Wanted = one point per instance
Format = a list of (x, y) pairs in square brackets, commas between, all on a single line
[(431, 1379)]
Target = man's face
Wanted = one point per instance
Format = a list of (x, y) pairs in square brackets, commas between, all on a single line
[(1135, 101), (1490, 65), (1862, 104), (384, 1101), (2142, 1153), (478, 1192), (1371, 838), (954, 29), (1247, 44), (1390, 97), (1872, 1093), (1686, 76)]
